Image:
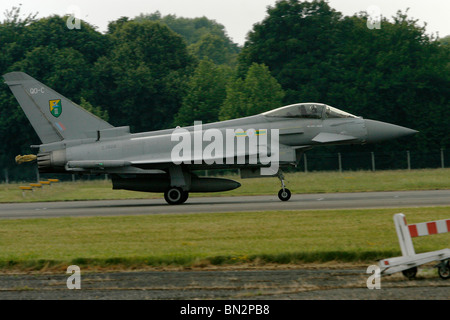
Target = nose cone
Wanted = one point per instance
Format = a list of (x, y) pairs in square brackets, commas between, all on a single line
[(380, 131)]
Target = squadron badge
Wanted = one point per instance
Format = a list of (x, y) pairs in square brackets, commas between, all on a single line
[(55, 107)]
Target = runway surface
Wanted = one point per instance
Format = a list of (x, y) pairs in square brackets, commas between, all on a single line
[(226, 204)]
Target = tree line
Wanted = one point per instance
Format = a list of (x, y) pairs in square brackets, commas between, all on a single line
[(153, 72)]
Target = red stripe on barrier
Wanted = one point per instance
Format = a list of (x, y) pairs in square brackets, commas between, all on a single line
[(413, 230), (448, 225), (432, 227)]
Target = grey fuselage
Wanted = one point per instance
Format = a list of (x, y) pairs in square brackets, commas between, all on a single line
[(152, 150)]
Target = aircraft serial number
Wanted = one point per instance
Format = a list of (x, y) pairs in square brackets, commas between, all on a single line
[(37, 90)]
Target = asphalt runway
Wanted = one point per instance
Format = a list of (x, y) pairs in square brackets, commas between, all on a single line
[(363, 200)]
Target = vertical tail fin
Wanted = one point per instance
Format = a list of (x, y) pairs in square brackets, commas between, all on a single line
[(53, 116)]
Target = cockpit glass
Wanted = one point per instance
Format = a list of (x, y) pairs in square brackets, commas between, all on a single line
[(308, 111), (331, 112), (302, 110)]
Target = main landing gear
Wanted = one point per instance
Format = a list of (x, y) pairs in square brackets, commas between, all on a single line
[(284, 194), (179, 181), (176, 195)]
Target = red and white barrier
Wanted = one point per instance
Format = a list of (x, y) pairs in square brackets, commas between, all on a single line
[(410, 260), (429, 228)]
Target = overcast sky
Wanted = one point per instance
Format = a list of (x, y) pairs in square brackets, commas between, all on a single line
[(238, 16)]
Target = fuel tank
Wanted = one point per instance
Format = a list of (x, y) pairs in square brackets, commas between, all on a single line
[(161, 183)]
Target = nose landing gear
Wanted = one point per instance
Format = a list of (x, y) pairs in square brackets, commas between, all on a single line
[(284, 194)]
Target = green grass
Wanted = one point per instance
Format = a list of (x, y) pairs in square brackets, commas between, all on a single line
[(282, 237), (314, 182)]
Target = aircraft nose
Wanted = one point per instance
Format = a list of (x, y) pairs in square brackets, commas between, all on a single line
[(380, 131)]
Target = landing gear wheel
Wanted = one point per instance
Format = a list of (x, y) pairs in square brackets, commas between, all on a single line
[(284, 194), (444, 270), (185, 197), (410, 273), (176, 195)]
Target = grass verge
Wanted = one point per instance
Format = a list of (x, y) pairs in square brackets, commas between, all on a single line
[(202, 240)]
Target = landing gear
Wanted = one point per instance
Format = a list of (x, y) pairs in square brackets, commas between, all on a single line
[(176, 195), (284, 194)]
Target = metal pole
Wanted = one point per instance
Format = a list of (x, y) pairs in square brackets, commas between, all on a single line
[(442, 158), (408, 159), (6, 176), (340, 162), (38, 178), (373, 160)]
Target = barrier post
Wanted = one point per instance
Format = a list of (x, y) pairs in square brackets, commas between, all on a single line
[(404, 237)]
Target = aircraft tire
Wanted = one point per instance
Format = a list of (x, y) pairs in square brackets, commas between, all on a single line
[(176, 195), (185, 197), (284, 195)]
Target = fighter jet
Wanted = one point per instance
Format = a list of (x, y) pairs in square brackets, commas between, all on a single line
[(76, 141)]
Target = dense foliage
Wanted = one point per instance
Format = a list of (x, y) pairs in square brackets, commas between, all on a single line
[(154, 72)]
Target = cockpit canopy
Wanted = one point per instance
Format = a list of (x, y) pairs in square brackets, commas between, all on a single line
[(308, 111)]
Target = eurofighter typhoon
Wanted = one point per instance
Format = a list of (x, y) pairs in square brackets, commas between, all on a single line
[(76, 141)]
